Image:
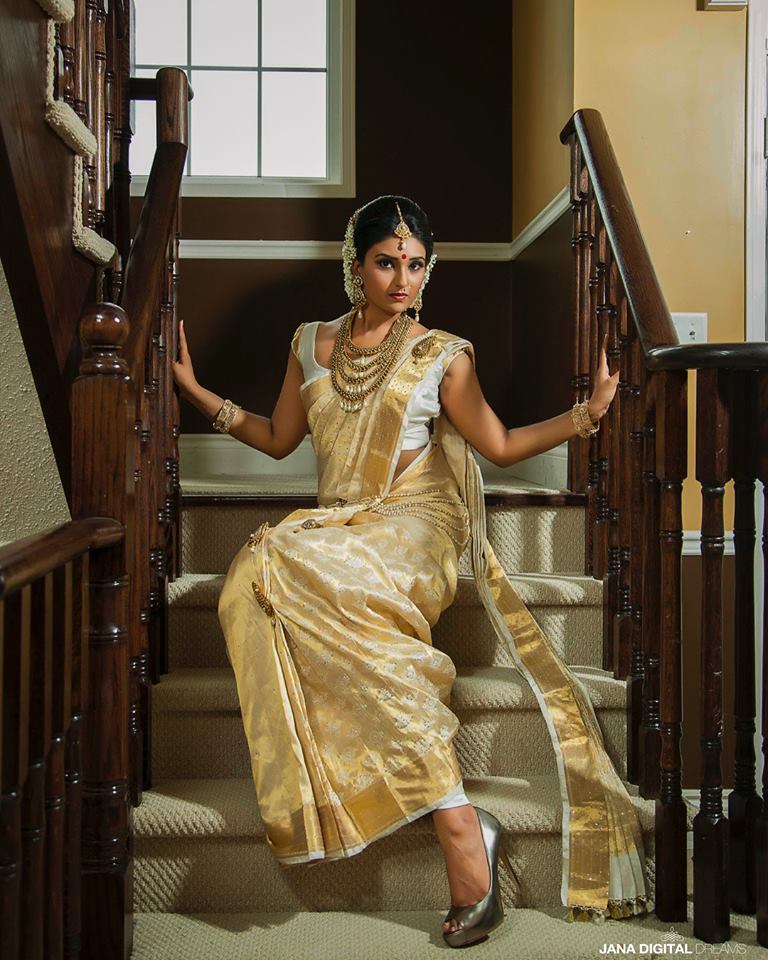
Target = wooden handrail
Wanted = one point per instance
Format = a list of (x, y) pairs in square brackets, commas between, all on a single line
[(142, 281), (632, 473), (645, 298), (32, 557)]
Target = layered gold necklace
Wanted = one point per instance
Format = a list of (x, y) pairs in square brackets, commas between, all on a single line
[(355, 377)]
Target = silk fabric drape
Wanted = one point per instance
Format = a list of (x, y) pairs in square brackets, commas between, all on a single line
[(327, 618)]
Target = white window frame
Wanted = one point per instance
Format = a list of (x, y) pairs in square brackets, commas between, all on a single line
[(340, 139)]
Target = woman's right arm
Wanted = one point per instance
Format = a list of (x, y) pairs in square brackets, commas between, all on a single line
[(277, 435)]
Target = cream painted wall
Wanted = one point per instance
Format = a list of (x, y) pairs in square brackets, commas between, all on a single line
[(31, 495), (669, 81), (542, 102)]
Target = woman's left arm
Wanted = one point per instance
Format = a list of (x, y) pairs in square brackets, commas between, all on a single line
[(462, 399)]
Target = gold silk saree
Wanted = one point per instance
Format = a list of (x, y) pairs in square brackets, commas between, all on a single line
[(327, 619)]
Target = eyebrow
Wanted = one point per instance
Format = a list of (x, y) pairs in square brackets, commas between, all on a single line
[(395, 256)]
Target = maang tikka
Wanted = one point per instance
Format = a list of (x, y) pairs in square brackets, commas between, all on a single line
[(353, 285)]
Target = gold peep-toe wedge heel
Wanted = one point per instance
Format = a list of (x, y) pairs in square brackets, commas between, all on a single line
[(479, 919)]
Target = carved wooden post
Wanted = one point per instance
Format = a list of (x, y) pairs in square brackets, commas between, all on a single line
[(650, 726), (102, 485), (14, 716), (577, 454), (671, 461), (711, 916), (633, 506), (744, 804), (761, 881)]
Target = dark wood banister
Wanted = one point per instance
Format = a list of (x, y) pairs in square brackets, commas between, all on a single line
[(142, 280), (30, 558), (641, 560)]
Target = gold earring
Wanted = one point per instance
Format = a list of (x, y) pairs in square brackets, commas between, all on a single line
[(359, 295)]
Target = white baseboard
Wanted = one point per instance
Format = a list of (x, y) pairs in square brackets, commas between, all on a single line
[(548, 469), (205, 456)]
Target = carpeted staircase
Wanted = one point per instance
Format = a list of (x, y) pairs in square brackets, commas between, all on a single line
[(207, 886)]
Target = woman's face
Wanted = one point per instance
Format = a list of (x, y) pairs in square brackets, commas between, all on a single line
[(388, 272)]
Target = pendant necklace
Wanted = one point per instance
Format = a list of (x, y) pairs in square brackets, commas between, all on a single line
[(355, 377)]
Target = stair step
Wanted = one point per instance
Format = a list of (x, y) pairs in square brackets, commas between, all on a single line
[(407, 934), (545, 537), (198, 730), (567, 608), (190, 831)]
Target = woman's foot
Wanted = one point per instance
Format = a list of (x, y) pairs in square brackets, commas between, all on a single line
[(460, 836)]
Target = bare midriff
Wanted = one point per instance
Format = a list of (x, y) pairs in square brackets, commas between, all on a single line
[(406, 457)]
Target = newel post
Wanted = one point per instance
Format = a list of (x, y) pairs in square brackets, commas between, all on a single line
[(102, 485)]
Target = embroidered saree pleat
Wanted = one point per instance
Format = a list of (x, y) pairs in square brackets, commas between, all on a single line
[(327, 618)]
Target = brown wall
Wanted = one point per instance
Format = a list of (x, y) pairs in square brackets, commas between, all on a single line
[(542, 102), (431, 123), (542, 332)]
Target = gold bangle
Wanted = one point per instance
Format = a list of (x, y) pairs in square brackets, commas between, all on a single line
[(585, 426), (223, 419)]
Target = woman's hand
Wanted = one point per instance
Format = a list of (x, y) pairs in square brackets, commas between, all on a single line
[(604, 389), (183, 372)]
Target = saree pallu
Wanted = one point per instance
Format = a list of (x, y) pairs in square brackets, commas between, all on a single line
[(327, 619)]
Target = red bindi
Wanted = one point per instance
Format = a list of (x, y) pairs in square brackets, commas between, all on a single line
[(402, 256)]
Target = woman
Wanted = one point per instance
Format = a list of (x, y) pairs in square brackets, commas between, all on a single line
[(327, 616)]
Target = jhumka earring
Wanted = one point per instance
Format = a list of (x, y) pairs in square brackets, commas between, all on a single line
[(357, 291)]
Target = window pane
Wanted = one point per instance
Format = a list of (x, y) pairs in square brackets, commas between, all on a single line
[(225, 32), (161, 31), (293, 125), (223, 123), (294, 33), (144, 131)]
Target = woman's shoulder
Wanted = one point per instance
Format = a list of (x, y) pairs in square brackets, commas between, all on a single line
[(449, 340)]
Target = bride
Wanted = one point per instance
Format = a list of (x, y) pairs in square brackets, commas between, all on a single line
[(327, 615)]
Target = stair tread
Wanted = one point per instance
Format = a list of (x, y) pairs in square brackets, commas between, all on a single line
[(535, 589), (540, 934), (306, 484), (208, 808), (213, 689)]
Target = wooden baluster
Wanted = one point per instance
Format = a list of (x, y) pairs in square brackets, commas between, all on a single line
[(104, 384), (157, 490), (711, 915), (650, 726), (577, 451), (744, 804), (141, 679), (99, 111), (632, 572), (594, 489), (37, 619), (609, 476), (80, 62), (586, 372), (61, 606), (671, 456), (761, 853), (172, 429), (95, 114), (622, 441), (600, 444), (73, 762), (14, 704), (66, 83)]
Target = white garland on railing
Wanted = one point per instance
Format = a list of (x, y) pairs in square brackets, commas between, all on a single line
[(60, 114), (59, 10), (77, 136)]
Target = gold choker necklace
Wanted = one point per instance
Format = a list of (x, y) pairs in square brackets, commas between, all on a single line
[(355, 378)]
